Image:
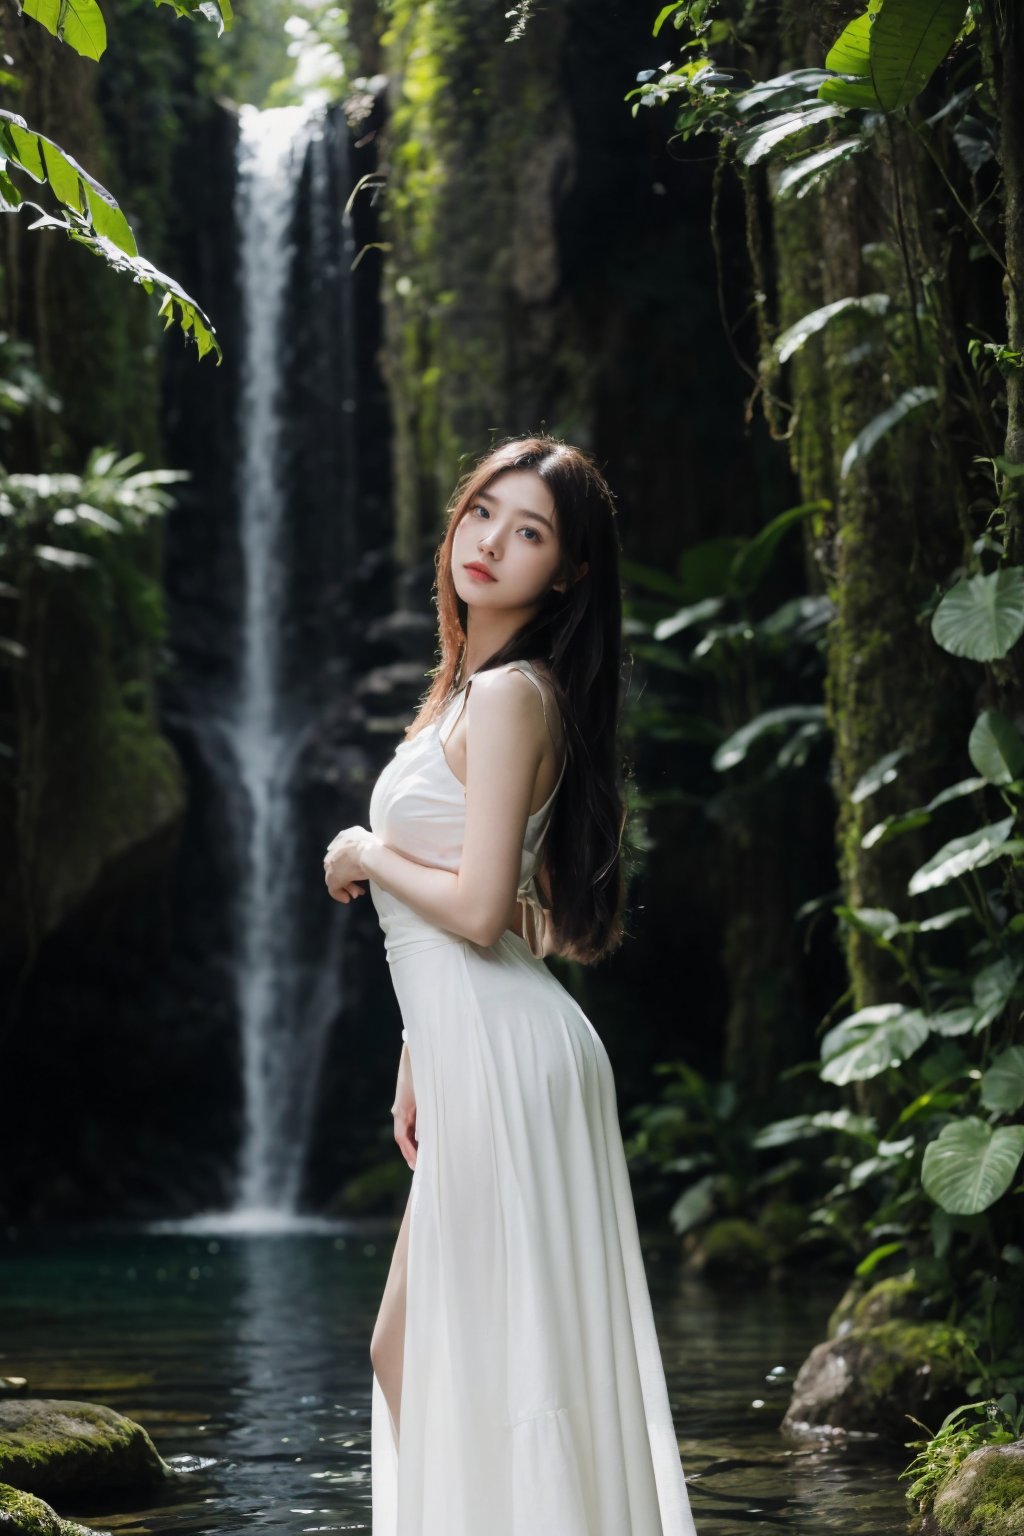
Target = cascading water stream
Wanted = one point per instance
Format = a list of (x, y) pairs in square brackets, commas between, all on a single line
[(286, 997)]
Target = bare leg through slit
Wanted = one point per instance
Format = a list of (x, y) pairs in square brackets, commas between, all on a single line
[(388, 1342)]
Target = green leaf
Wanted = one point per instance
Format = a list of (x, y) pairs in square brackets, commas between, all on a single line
[(804, 175), (764, 137), (982, 617), (875, 1257), (735, 748), (993, 988), (870, 1041), (94, 219), (908, 41), (881, 772), (960, 855), (751, 562), (871, 435), (663, 15), (794, 337), (969, 1165), (995, 748), (695, 613), (780, 1133), (79, 23), (1002, 1086), (694, 1204)]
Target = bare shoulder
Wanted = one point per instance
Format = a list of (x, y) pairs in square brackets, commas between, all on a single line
[(509, 704)]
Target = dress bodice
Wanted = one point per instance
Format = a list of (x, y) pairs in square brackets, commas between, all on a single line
[(418, 807)]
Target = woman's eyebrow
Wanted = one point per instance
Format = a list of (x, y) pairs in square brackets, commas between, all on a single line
[(522, 512)]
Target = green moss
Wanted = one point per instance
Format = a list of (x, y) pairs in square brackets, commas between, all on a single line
[(901, 1348), (22, 1514), (375, 1189), (898, 1296), (53, 1447), (735, 1244), (985, 1496)]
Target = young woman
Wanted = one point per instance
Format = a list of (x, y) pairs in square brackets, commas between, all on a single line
[(515, 1359)]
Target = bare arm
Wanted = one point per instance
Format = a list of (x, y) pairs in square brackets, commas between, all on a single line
[(505, 742)]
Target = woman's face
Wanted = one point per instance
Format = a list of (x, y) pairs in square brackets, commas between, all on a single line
[(511, 531)]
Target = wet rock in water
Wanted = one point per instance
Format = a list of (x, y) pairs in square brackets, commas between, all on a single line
[(984, 1496), (896, 1296), (869, 1379), (11, 1384), (22, 1514), (54, 1447)]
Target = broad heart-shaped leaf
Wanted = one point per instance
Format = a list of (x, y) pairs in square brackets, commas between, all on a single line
[(1002, 1086), (969, 1165), (870, 1041), (877, 428), (995, 748), (850, 56), (993, 987), (908, 41), (793, 338), (79, 23), (959, 855), (982, 617)]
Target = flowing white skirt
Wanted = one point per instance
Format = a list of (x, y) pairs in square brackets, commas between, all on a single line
[(534, 1400)]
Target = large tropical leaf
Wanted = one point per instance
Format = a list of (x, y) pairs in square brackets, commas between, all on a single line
[(763, 137), (888, 54), (793, 338), (982, 617), (79, 23), (1002, 1086), (878, 427), (751, 562), (909, 40), (870, 1041), (780, 1133), (995, 748), (969, 1165), (735, 748), (959, 855), (802, 176)]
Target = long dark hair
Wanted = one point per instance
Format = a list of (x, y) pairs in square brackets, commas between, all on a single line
[(577, 634)]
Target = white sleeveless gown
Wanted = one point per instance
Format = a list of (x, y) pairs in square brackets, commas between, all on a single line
[(534, 1400)]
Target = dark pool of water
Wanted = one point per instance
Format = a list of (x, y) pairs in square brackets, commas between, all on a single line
[(248, 1357)]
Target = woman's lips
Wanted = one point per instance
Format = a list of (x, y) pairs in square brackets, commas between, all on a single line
[(480, 573)]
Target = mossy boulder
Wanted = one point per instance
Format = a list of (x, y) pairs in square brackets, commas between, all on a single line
[(870, 1378), (733, 1245), (22, 1514), (896, 1296), (984, 1496), (377, 1190), (56, 1447)]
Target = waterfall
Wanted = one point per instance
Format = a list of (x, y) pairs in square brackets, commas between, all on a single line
[(287, 988)]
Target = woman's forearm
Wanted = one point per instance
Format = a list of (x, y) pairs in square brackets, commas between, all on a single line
[(434, 893)]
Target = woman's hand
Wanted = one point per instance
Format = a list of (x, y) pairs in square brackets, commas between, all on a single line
[(343, 863), (404, 1109)]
